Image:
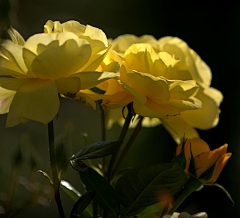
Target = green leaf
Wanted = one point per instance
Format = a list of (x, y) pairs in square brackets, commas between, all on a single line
[(96, 150), (46, 175), (226, 192), (153, 211), (143, 187), (70, 190), (192, 163), (78, 165), (82, 203), (106, 196)]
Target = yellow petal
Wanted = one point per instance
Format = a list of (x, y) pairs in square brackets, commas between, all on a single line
[(34, 41), (48, 26), (182, 105), (183, 75), (207, 116), (149, 85), (178, 128), (117, 100), (95, 60), (14, 54), (167, 59), (198, 146), (9, 72), (63, 61), (219, 167), (189, 59), (202, 69), (135, 93), (68, 85), (161, 106), (6, 63), (41, 47), (11, 83), (93, 35), (57, 27), (207, 159), (6, 97), (28, 57), (146, 111), (86, 99), (90, 79), (35, 100), (16, 37), (182, 90), (123, 42)]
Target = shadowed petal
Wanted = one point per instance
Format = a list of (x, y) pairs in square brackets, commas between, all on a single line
[(63, 61), (35, 100), (68, 85), (178, 128), (207, 116), (90, 79), (6, 97)]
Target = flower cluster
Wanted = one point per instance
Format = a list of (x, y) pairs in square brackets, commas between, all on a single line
[(164, 79)]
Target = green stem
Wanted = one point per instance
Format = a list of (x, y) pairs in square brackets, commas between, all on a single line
[(103, 134), (129, 144), (103, 138), (121, 138), (192, 185), (53, 163)]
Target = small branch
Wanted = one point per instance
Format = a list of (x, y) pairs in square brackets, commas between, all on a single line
[(129, 144), (121, 138), (103, 134), (53, 163)]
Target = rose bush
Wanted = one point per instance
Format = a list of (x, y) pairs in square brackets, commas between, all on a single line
[(47, 64)]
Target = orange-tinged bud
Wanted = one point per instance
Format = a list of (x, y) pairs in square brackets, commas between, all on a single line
[(208, 164)]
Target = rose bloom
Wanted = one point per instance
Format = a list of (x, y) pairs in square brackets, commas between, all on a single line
[(189, 67), (144, 81), (63, 61), (204, 158)]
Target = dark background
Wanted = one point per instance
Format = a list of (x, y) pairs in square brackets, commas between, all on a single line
[(210, 28)]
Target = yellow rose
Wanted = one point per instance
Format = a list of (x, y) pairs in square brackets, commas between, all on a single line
[(123, 42), (204, 158), (48, 64), (189, 67), (6, 95), (144, 81), (193, 67)]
